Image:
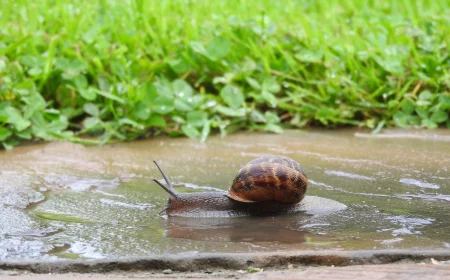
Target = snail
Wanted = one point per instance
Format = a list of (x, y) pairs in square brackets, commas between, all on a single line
[(267, 185)]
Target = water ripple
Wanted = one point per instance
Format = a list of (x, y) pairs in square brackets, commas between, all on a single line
[(420, 184), (348, 175)]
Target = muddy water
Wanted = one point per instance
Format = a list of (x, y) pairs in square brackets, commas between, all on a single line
[(62, 200)]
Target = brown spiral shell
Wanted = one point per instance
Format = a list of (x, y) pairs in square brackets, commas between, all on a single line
[(269, 178)]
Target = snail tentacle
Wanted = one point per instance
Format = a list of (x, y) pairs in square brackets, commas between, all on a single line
[(169, 188), (170, 191)]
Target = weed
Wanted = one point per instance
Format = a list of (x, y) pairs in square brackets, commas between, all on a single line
[(121, 70)]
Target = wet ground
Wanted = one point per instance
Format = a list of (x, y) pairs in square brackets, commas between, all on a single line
[(65, 201)]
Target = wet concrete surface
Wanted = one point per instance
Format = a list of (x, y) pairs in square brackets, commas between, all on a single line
[(64, 201)]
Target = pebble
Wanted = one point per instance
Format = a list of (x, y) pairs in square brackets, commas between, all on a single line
[(167, 271)]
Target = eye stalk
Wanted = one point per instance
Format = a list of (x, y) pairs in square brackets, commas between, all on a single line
[(169, 188)]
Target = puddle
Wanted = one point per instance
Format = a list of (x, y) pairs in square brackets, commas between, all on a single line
[(66, 201)]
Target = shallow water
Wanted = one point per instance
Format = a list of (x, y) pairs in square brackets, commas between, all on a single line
[(62, 200)]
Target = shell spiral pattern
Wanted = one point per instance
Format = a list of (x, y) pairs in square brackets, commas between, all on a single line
[(269, 178)]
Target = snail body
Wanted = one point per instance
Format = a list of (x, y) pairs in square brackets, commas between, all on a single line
[(265, 186)]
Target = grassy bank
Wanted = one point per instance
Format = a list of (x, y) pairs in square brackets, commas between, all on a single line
[(120, 70)]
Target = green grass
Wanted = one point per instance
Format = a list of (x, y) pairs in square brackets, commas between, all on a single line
[(121, 70)]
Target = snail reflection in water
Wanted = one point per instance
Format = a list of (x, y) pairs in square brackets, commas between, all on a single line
[(265, 186)]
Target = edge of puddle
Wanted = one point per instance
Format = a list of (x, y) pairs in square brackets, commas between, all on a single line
[(189, 262)]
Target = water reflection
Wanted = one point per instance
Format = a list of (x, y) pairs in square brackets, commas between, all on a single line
[(280, 229)]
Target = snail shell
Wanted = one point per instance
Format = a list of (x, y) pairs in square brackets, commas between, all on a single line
[(269, 178)]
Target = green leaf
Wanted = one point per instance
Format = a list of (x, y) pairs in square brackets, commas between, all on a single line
[(271, 117), (401, 119), (4, 133), (178, 119), (11, 47), (149, 93), (34, 71), (164, 88), (271, 85), (163, 105), (270, 98), (88, 94), (231, 112), (196, 118), (183, 105), (128, 121), (445, 101), (10, 144), (190, 131), (257, 117), (15, 118), (91, 109), (108, 95), (390, 64), (298, 121), (35, 103), (429, 124), (271, 127), (26, 88), (379, 127), (205, 131), (425, 98), (181, 88), (156, 120), (408, 106), (141, 111), (426, 95), (25, 134), (80, 82), (309, 56), (3, 66), (179, 66), (118, 68), (253, 83), (30, 61), (218, 48), (58, 125), (422, 112), (91, 122), (439, 116), (232, 96), (198, 48)]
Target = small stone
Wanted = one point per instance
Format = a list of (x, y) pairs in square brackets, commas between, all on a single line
[(433, 261), (209, 271), (167, 271)]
